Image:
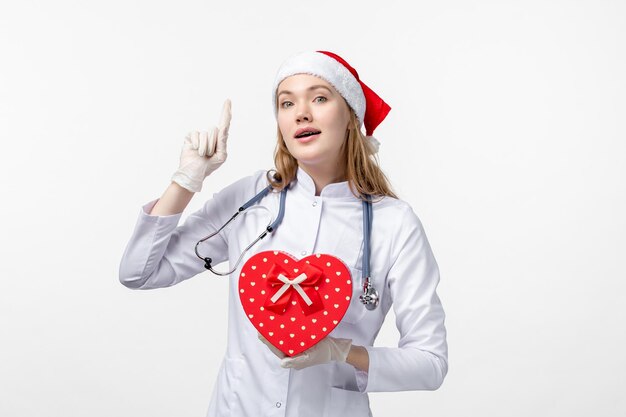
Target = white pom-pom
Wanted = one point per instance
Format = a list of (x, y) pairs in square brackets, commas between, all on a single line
[(374, 142)]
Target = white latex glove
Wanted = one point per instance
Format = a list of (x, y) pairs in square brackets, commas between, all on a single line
[(326, 350), (203, 153)]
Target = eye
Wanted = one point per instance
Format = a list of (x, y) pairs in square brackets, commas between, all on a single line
[(283, 104), (323, 99)]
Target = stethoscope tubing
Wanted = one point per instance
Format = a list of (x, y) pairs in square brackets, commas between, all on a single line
[(369, 296)]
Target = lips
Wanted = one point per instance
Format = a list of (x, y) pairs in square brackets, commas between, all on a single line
[(304, 132)]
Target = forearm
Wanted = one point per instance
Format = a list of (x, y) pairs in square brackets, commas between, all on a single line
[(173, 201), (404, 369), (359, 358)]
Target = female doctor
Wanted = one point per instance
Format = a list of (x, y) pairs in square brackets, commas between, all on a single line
[(327, 167)]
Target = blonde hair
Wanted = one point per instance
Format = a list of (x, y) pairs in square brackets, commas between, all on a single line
[(362, 172)]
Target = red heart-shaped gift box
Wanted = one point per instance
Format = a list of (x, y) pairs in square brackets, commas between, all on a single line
[(294, 303)]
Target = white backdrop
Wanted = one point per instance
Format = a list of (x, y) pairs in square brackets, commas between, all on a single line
[(506, 136)]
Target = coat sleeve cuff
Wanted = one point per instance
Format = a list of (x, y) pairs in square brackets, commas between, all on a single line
[(363, 377)]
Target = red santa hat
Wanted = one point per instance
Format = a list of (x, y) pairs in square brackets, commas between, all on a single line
[(369, 108)]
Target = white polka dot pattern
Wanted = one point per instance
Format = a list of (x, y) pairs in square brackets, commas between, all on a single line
[(292, 332)]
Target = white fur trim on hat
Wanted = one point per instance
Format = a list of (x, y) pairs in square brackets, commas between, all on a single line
[(327, 68), (374, 142)]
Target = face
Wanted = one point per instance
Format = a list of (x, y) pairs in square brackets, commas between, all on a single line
[(306, 102)]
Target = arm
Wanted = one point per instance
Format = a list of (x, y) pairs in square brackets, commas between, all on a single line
[(420, 362), (173, 201), (161, 254)]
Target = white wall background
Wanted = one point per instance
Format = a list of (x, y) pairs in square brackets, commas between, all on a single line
[(506, 136)]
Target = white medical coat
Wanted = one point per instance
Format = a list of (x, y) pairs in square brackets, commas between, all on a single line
[(251, 381)]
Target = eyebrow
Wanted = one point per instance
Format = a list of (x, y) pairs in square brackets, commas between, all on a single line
[(313, 87)]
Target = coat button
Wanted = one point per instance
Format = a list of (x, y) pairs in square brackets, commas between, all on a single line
[(278, 405), (303, 253), (314, 203)]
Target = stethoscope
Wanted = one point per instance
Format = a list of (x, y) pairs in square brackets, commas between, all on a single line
[(369, 297)]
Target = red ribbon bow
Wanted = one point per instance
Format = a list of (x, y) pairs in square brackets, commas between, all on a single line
[(300, 286)]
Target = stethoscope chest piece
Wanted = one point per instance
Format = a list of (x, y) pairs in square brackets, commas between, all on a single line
[(370, 296)]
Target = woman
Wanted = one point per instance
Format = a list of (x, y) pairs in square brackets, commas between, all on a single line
[(327, 167)]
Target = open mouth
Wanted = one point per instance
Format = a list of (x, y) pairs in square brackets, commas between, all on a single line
[(307, 134)]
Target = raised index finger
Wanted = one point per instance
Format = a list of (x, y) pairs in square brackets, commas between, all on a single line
[(224, 123)]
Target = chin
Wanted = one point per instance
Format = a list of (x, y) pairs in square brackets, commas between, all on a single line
[(312, 154), (309, 156), (308, 161)]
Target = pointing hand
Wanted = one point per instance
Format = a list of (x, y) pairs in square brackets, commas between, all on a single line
[(203, 153)]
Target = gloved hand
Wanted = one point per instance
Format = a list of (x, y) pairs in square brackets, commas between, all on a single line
[(203, 153), (326, 350)]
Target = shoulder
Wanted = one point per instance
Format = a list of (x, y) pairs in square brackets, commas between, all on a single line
[(397, 209), (399, 219), (238, 192), (250, 183)]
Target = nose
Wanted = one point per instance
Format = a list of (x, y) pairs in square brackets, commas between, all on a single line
[(303, 114)]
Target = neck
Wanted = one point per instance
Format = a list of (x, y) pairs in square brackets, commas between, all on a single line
[(322, 177)]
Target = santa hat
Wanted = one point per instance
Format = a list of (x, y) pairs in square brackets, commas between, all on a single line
[(369, 108)]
